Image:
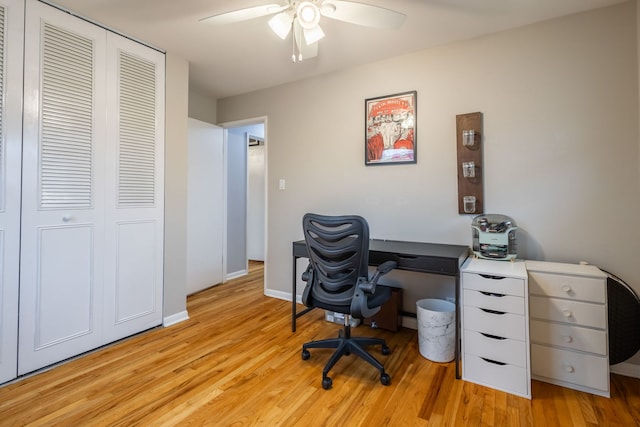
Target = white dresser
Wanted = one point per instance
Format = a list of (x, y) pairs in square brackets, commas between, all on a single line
[(495, 325), (568, 310)]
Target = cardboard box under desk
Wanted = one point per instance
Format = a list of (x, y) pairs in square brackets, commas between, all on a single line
[(390, 315)]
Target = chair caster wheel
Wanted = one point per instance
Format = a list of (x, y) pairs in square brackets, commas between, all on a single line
[(327, 383), (305, 354), (385, 379), (386, 350)]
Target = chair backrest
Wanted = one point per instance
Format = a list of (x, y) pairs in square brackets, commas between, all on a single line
[(338, 249)]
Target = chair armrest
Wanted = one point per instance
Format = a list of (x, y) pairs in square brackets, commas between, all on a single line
[(365, 288), (384, 268), (307, 276), (360, 300)]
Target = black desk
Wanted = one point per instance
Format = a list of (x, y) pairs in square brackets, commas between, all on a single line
[(432, 258)]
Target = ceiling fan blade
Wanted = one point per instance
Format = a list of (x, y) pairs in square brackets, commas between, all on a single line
[(362, 14), (244, 14)]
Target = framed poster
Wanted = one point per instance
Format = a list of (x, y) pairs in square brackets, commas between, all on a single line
[(390, 129)]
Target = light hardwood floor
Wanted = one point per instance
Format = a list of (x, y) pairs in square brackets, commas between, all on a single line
[(235, 362)]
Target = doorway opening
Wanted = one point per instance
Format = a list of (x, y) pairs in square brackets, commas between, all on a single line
[(246, 195)]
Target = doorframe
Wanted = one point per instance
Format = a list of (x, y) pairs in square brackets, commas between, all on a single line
[(237, 124)]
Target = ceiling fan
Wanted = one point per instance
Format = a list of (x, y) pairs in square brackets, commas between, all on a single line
[(302, 19)]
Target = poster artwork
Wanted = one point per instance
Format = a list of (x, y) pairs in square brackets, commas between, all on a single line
[(391, 129)]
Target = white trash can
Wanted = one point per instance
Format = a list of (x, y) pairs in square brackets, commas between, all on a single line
[(436, 329)]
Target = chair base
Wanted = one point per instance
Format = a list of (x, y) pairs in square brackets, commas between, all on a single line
[(345, 344)]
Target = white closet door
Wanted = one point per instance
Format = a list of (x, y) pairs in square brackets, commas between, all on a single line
[(11, 35), (135, 188), (61, 289)]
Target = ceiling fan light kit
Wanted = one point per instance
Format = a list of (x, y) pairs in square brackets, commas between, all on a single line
[(281, 24), (313, 35), (304, 18)]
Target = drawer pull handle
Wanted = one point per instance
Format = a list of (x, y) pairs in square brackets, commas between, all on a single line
[(567, 339), (493, 361), (403, 256), (493, 337), (567, 313), (569, 369), (566, 288), (488, 276), (486, 310), (492, 294)]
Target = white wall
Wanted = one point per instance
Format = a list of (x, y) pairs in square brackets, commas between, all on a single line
[(256, 203), (175, 236), (236, 261), (561, 147), (256, 197), (202, 106)]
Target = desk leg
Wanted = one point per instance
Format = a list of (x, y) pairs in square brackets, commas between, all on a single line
[(458, 326), (294, 313), (293, 296)]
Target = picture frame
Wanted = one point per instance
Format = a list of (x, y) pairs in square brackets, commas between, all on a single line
[(390, 129)]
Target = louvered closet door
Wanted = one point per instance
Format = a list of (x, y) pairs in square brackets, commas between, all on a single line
[(11, 29), (62, 274), (135, 191)]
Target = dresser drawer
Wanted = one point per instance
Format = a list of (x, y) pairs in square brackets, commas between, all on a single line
[(509, 378), (570, 337), (573, 312), (493, 301), (576, 368), (510, 351), (495, 284), (571, 287), (504, 325)]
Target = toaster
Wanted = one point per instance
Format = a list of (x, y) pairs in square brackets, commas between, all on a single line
[(494, 237)]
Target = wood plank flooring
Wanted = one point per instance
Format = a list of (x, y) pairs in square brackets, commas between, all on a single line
[(235, 362)]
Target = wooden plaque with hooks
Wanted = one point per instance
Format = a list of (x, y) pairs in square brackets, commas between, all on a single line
[(469, 140)]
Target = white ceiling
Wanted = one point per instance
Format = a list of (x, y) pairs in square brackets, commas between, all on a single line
[(243, 57)]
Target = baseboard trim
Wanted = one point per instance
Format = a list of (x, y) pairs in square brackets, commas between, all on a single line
[(626, 369), (410, 322), (236, 274), (175, 318), (286, 296)]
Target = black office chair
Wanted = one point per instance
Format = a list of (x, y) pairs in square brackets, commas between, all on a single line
[(338, 280)]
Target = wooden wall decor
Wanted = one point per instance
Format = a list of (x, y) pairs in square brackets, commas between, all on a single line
[(469, 140)]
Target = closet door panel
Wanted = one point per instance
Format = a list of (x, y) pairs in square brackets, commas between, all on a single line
[(57, 322), (135, 204), (11, 42), (62, 257)]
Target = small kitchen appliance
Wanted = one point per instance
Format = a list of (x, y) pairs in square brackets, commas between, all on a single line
[(494, 237)]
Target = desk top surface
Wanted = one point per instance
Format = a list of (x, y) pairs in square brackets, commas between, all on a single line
[(436, 250), (419, 248)]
